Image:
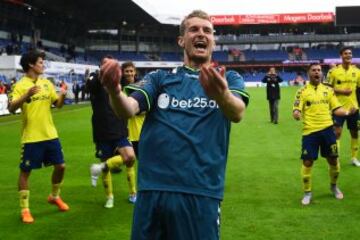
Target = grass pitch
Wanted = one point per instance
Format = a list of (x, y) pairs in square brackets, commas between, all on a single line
[(262, 192)]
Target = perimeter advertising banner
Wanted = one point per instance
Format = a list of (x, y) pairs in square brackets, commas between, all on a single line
[(291, 18)]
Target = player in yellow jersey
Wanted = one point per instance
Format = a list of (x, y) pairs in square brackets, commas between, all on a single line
[(40, 144), (135, 123), (314, 103), (345, 79)]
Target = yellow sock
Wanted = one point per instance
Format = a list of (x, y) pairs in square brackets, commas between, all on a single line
[(338, 145), (354, 147), (107, 182), (306, 178), (131, 179), (115, 161), (24, 196), (55, 189), (334, 172)]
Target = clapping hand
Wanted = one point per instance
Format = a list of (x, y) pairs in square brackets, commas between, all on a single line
[(213, 82), (110, 75)]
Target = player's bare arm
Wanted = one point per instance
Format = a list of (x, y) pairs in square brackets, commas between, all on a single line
[(216, 87), (341, 112), (346, 92), (59, 103)]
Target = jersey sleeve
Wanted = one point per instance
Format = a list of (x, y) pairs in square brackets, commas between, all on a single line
[(53, 94), (16, 92), (358, 78), (237, 86), (333, 100), (146, 90), (298, 102), (330, 77)]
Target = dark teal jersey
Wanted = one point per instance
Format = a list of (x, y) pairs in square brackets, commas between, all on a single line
[(184, 140)]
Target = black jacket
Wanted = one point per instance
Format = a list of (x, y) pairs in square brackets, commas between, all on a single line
[(272, 86), (106, 125)]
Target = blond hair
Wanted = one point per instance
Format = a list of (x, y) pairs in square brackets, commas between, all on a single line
[(196, 13)]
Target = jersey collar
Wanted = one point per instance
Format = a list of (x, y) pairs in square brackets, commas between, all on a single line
[(190, 69), (31, 79)]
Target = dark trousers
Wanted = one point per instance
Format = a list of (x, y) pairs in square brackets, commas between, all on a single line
[(274, 110)]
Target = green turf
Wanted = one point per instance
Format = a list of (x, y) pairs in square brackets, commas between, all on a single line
[(262, 193)]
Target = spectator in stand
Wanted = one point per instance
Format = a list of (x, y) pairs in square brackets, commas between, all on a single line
[(298, 80), (298, 53), (272, 81), (63, 85), (2, 88)]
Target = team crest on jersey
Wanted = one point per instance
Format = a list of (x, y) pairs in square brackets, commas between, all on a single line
[(163, 101)]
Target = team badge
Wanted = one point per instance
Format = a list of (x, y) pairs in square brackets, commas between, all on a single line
[(163, 101)]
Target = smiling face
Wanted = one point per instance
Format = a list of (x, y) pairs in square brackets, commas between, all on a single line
[(346, 56), (129, 74), (315, 74), (197, 41)]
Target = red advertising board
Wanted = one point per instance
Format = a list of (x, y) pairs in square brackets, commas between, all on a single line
[(322, 17)]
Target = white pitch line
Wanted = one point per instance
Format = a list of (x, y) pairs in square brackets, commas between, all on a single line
[(19, 120)]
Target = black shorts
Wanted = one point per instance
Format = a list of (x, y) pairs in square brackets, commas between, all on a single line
[(324, 139)]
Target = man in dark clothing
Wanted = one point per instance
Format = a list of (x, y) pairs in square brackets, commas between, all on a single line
[(272, 81), (110, 136), (76, 90)]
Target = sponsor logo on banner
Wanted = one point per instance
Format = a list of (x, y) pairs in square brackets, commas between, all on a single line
[(322, 17)]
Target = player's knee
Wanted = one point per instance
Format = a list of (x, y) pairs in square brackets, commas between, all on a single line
[(60, 167), (337, 134), (307, 163), (129, 160)]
